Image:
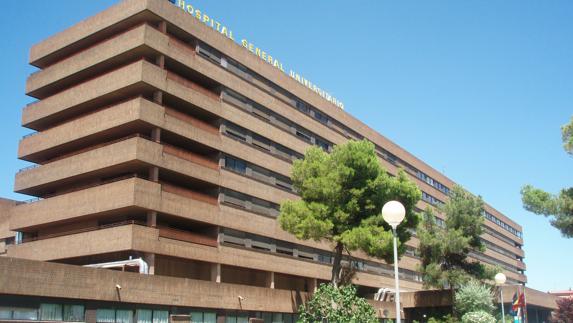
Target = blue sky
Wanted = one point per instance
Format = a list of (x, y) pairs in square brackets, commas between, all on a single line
[(477, 89)]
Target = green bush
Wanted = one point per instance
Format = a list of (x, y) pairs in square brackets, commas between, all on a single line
[(340, 305), (478, 317), (474, 297)]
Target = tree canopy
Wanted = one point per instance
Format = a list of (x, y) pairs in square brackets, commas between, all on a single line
[(564, 311), (342, 194), (559, 207), (567, 137), (444, 250)]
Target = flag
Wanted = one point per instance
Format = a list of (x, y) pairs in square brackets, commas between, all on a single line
[(513, 309), (519, 302)]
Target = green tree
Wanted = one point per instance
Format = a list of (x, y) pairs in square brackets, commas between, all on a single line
[(342, 194), (444, 250), (340, 305), (559, 207)]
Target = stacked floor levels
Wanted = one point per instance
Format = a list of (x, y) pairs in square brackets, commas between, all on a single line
[(159, 138)]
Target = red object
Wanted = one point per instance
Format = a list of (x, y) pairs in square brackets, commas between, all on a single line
[(519, 303)]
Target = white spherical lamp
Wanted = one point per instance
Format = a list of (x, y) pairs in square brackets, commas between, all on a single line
[(500, 279), (393, 213)]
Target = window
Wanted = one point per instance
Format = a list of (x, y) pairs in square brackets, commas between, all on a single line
[(152, 316), (25, 314), (262, 142), (240, 318), (114, 316), (302, 107), (236, 164), (74, 313), (320, 117), (16, 313), (123, 316), (51, 312), (203, 317), (234, 198), (303, 135), (209, 53), (235, 133), (322, 144)]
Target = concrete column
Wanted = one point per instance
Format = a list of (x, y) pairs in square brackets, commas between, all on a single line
[(270, 280), (152, 219), (162, 27), (160, 61), (216, 273), (158, 97), (312, 285), (150, 260), (154, 174), (156, 134)]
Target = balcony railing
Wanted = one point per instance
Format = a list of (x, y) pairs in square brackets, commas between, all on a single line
[(187, 236), (189, 156), (191, 120), (81, 188), (82, 230), (189, 193), (192, 85)]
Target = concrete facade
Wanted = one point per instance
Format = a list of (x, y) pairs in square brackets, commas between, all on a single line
[(159, 138)]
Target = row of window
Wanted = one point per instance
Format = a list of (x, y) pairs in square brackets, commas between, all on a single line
[(244, 135), (46, 312), (286, 96), (500, 250), (250, 203), (432, 182), (493, 261), (501, 237), (127, 316), (76, 313), (271, 88), (256, 172), (253, 241), (502, 224), (430, 199), (275, 119)]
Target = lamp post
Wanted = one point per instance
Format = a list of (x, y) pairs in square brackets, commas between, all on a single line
[(499, 281), (393, 213)]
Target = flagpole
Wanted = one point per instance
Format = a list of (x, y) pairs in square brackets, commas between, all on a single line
[(525, 305)]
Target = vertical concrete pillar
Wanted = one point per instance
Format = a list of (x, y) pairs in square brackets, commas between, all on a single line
[(160, 61), (270, 279), (162, 26), (152, 219), (312, 285), (158, 97), (150, 260), (154, 174), (216, 273), (156, 134)]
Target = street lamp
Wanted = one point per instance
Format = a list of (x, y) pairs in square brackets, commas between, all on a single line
[(393, 213), (499, 281)]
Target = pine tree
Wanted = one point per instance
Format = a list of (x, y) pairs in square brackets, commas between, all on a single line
[(559, 207), (444, 250), (342, 194)]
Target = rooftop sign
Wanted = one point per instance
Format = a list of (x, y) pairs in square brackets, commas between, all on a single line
[(262, 54)]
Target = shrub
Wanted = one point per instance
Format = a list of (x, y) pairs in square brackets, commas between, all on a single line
[(478, 317), (474, 297), (340, 305)]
